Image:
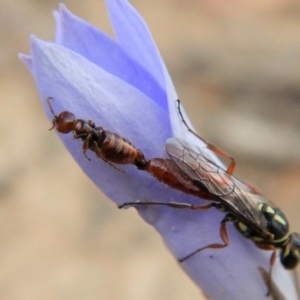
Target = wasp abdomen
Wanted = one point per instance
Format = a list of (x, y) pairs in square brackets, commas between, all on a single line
[(116, 149), (168, 173)]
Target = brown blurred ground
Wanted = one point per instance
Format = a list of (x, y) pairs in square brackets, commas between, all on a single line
[(236, 66)]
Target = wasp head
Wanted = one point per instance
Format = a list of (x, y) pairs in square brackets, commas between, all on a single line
[(290, 254), (64, 122)]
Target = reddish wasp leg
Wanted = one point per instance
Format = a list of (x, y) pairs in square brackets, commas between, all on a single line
[(223, 230), (212, 147), (272, 262), (223, 235)]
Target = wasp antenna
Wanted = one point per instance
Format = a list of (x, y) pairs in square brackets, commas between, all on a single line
[(50, 106), (182, 118), (186, 124)]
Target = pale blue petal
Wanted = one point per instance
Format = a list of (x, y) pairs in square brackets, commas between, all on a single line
[(88, 41), (134, 37), (26, 60)]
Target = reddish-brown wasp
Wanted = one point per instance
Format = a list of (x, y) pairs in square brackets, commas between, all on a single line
[(109, 146), (192, 171)]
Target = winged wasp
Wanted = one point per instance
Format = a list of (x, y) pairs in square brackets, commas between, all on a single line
[(192, 171)]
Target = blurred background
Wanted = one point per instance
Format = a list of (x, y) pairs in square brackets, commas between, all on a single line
[(236, 67)]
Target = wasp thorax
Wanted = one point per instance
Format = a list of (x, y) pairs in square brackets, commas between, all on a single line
[(79, 125), (290, 254), (64, 122), (83, 127), (91, 123), (277, 223)]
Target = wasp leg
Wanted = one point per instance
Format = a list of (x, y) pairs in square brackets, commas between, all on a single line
[(274, 291), (85, 144), (171, 204), (210, 146), (84, 153), (223, 235), (112, 165), (97, 150), (223, 230), (253, 188), (263, 246)]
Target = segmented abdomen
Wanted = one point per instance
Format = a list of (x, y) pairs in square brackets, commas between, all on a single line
[(166, 171), (118, 150)]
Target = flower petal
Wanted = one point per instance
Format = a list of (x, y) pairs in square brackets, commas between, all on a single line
[(26, 60), (88, 41), (134, 37)]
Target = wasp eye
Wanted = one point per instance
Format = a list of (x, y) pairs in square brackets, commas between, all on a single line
[(65, 122)]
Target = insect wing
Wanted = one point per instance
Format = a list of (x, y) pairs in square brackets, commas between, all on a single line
[(203, 172), (199, 167)]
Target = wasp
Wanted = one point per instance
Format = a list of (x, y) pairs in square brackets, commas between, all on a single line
[(109, 146), (192, 171)]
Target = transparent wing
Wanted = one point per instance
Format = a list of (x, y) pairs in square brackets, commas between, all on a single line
[(238, 197)]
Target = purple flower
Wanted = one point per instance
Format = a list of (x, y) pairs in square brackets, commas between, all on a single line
[(122, 84)]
